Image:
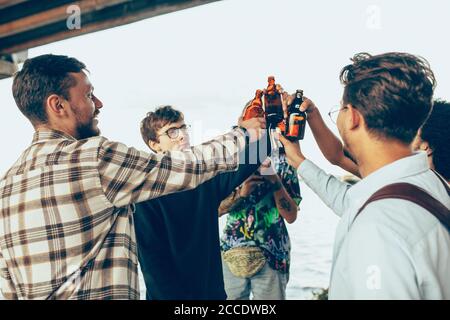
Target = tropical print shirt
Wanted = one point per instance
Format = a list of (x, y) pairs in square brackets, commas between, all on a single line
[(258, 222)]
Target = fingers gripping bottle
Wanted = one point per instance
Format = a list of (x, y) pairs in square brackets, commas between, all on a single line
[(273, 106), (274, 117), (296, 122)]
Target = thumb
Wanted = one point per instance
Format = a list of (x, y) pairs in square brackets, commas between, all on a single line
[(304, 106), (282, 139)]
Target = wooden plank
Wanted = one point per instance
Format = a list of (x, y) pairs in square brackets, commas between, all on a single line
[(53, 15), (124, 15), (28, 8), (9, 3)]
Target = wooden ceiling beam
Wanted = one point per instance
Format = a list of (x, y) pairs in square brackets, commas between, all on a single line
[(23, 9), (9, 3), (100, 18), (53, 15)]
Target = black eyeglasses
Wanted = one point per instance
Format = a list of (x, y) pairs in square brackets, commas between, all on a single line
[(334, 113), (174, 132)]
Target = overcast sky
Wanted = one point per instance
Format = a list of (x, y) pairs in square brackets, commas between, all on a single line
[(209, 60)]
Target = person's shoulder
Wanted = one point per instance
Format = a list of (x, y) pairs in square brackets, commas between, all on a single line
[(176, 200), (217, 181), (430, 182), (88, 145), (108, 147), (101, 141), (398, 218)]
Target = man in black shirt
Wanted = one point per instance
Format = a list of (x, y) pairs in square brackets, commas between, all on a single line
[(178, 234)]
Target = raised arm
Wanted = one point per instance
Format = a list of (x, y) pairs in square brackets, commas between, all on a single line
[(330, 145), (128, 175), (332, 191), (286, 205), (230, 203)]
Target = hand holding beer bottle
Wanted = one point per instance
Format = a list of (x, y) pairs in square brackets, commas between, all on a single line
[(296, 122), (273, 105)]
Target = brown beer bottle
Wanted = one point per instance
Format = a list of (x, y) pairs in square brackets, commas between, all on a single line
[(273, 105), (255, 109), (296, 119)]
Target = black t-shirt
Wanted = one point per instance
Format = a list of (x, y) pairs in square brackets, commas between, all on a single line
[(178, 239)]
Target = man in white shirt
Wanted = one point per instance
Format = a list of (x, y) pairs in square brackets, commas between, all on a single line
[(394, 249)]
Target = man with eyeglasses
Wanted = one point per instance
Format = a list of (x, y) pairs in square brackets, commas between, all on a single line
[(432, 138), (177, 235), (393, 239)]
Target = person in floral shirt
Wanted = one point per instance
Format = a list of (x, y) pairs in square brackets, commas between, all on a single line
[(255, 242)]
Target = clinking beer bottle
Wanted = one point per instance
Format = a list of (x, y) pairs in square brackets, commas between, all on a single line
[(295, 126), (274, 115), (273, 106), (255, 109)]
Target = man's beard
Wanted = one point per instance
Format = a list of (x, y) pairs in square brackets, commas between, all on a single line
[(87, 130)]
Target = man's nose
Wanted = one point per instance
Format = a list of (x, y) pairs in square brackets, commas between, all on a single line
[(98, 103), (184, 135)]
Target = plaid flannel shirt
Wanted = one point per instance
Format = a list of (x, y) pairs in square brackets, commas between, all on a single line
[(66, 224)]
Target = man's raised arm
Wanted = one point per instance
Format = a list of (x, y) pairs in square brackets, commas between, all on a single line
[(128, 175)]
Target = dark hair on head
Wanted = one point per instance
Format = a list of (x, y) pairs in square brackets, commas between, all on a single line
[(393, 92), (41, 77), (436, 131), (157, 119)]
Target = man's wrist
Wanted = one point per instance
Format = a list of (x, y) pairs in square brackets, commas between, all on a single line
[(240, 202), (239, 193), (298, 160), (242, 129), (312, 114)]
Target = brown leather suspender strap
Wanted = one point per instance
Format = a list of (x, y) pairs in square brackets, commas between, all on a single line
[(443, 182), (419, 196)]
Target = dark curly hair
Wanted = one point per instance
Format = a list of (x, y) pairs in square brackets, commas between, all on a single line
[(436, 131), (393, 92), (157, 119), (41, 77)]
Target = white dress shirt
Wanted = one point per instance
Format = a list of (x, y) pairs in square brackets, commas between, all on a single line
[(395, 249)]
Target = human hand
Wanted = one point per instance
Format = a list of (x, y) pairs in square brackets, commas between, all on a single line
[(307, 105), (250, 185), (253, 123), (293, 152)]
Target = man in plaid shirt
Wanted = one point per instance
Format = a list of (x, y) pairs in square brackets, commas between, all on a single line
[(66, 224)]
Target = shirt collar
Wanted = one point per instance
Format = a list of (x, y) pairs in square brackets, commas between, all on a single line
[(46, 134), (395, 171)]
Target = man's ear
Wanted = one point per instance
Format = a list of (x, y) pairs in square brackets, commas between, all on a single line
[(355, 118), (424, 146), (154, 145), (55, 105)]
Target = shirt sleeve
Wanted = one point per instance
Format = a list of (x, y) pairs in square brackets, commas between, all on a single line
[(378, 259), (328, 188), (6, 284), (254, 154), (130, 176)]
